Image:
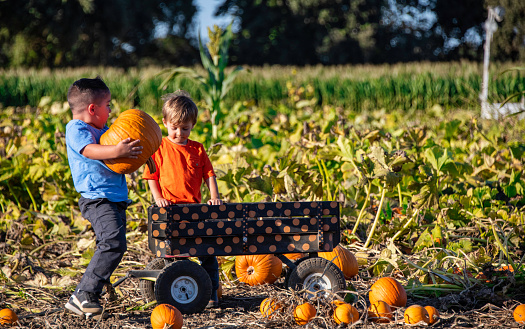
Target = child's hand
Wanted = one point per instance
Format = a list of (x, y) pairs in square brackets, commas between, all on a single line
[(128, 148), (215, 202), (162, 202)]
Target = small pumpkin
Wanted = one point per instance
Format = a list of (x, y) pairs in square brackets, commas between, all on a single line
[(294, 256), (135, 124), (388, 290), (166, 315), (505, 268), (415, 314), (219, 291), (519, 314), (258, 269), (380, 312), (304, 313), (268, 307), (344, 259), (337, 302), (8, 317), (433, 314), (346, 314)]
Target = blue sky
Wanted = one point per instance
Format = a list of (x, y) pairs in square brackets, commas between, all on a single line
[(205, 18)]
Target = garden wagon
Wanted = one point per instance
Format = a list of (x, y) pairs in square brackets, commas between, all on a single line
[(180, 231)]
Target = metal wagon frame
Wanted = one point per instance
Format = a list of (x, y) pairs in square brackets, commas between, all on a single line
[(180, 231)]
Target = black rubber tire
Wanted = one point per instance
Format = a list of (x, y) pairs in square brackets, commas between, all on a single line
[(147, 287), (185, 285), (289, 271), (309, 274)]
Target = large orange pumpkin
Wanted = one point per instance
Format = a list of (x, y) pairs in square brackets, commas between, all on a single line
[(135, 124), (415, 314), (344, 259), (304, 313), (8, 317), (346, 314), (388, 290), (166, 315), (268, 307), (519, 314), (433, 314), (258, 269), (380, 312)]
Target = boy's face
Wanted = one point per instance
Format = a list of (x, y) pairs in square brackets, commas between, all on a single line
[(178, 133), (99, 111)]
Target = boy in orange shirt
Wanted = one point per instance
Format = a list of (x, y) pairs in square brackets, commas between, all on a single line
[(182, 165)]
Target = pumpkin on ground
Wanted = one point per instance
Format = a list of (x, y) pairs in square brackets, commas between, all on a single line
[(388, 290), (135, 124), (433, 314), (258, 269), (415, 314), (268, 307), (219, 291), (380, 312), (8, 317), (346, 314), (166, 315), (294, 256), (519, 314), (304, 313), (337, 302), (344, 259)]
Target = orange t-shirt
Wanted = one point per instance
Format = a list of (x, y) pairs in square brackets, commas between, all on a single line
[(180, 170)]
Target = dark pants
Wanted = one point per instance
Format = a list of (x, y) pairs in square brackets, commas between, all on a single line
[(108, 220), (211, 265)]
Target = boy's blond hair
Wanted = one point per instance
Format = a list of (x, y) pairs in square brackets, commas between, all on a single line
[(179, 108)]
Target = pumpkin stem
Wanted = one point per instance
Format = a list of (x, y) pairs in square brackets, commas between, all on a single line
[(151, 165), (250, 270)]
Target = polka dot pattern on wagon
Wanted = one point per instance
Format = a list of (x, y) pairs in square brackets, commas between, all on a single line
[(243, 228)]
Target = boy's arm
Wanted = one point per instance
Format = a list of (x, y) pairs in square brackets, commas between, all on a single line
[(215, 198), (124, 149), (157, 195)]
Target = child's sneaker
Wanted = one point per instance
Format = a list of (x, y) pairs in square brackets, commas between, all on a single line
[(214, 301), (84, 303)]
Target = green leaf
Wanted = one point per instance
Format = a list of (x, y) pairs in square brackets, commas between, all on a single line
[(377, 155), (424, 241), (437, 157), (259, 183)]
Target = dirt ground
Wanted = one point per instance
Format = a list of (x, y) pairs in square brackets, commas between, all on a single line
[(42, 306)]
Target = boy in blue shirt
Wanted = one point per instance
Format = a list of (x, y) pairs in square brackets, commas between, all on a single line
[(104, 193)]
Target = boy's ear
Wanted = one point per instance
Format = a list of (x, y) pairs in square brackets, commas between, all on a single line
[(91, 108), (164, 122)]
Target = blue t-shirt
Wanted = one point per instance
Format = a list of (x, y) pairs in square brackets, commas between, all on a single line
[(92, 178)]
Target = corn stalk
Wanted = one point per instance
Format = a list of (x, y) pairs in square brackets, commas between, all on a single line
[(216, 84)]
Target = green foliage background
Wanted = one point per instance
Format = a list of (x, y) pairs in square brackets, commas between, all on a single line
[(416, 86), (440, 183)]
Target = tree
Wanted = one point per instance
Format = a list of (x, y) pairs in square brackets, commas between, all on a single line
[(451, 30), (461, 24), (509, 39), (94, 32), (304, 31)]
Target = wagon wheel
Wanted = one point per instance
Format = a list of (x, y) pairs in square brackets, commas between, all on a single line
[(147, 287), (316, 274), (288, 271), (185, 285)]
